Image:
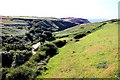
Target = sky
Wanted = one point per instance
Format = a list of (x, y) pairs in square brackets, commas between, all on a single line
[(89, 9)]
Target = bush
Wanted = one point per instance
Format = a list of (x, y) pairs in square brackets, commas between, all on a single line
[(82, 27), (88, 32), (76, 40), (117, 75), (14, 46), (4, 71), (19, 27), (102, 65), (21, 57), (29, 36), (48, 35), (22, 73), (49, 48), (31, 63), (79, 36), (60, 43), (7, 59), (37, 57)]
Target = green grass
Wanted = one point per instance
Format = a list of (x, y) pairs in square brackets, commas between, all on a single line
[(77, 29), (94, 56), (13, 31)]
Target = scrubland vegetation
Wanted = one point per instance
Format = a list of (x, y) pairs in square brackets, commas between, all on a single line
[(83, 51)]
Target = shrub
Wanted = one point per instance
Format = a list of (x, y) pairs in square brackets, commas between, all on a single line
[(32, 31), (102, 65), (79, 36), (31, 63), (22, 73), (15, 46), (37, 57), (49, 48), (48, 35), (117, 75), (7, 59), (21, 57), (19, 27), (71, 39), (88, 32), (29, 36), (76, 40), (82, 27), (60, 43), (4, 71)]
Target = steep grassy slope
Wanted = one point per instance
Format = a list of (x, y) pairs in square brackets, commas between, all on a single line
[(94, 56), (70, 32)]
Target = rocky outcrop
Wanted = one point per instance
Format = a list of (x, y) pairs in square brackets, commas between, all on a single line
[(76, 20), (47, 22)]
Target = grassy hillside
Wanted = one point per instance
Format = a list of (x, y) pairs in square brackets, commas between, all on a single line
[(70, 32), (93, 56)]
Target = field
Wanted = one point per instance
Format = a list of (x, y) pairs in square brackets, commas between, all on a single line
[(93, 56)]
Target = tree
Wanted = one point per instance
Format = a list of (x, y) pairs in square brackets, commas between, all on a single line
[(21, 57), (49, 48), (21, 73), (7, 59)]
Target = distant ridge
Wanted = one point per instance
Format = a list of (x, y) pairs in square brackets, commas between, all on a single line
[(76, 20), (56, 24)]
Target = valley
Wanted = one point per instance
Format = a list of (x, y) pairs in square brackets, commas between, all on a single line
[(47, 47)]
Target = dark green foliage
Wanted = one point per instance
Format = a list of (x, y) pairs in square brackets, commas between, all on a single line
[(32, 31), (76, 40), (117, 74), (31, 63), (19, 27), (16, 46), (7, 59), (60, 43), (102, 65), (22, 73), (22, 64), (29, 36), (9, 39), (14, 43), (82, 27), (113, 20), (38, 30), (48, 35), (37, 57), (79, 36), (101, 25), (4, 71), (49, 48), (88, 32), (21, 57)]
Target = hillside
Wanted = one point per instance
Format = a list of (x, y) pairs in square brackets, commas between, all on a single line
[(76, 20), (35, 50), (77, 29), (93, 56), (19, 35), (47, 22)]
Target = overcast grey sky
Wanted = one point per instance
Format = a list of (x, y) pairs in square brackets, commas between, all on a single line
[(105, 9)]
